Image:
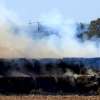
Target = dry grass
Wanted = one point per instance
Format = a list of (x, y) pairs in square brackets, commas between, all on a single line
[(40, 97)]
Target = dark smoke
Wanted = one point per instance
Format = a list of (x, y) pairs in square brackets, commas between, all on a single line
[(49, 67)]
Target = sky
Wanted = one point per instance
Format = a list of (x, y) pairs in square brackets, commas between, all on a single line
[(76, 10)]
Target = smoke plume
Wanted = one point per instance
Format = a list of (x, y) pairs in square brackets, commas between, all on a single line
[(55, 38)]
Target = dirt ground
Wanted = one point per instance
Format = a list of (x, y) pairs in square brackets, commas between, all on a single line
[(39, 97)]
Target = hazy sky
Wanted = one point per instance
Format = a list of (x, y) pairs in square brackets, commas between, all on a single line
[(77, 10)]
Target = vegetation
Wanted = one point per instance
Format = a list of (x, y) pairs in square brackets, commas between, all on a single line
[(94, 28), (1, 94), (38, 91), (82, 79)]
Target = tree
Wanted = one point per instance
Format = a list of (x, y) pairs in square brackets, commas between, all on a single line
[(94, 28), (82, 26)]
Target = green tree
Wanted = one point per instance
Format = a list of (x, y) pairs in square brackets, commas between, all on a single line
[(94, 28)]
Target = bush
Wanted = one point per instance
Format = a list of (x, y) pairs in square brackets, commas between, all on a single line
[(98, 91), (61, 92), (39, 91), (1, 94), (82, 79)]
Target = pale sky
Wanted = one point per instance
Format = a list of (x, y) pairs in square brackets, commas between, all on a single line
[(77, 10)]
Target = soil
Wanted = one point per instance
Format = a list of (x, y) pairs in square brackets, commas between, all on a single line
[(49, 97)]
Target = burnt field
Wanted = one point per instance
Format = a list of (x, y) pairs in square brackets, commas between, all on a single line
[(48, 66), (50, 76)]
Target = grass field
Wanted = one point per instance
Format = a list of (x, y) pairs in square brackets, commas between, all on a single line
[(41, 97)]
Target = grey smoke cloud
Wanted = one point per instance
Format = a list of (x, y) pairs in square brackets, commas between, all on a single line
[(25, 42)]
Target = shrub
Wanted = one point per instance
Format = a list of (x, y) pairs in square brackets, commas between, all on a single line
[(60, 92), (1, 94), (39, 91), (98, 91), (82, 80)]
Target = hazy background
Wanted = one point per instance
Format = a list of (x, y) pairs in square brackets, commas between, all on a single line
[(58, 36)]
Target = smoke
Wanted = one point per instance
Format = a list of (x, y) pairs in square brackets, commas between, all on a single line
[(91, 72), (56, 38), (68, 73), (16, 74)]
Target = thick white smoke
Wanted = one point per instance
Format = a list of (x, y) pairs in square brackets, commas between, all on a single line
[(61, 40)]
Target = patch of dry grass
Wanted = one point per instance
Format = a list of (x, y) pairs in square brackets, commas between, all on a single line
[(41, 97)]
